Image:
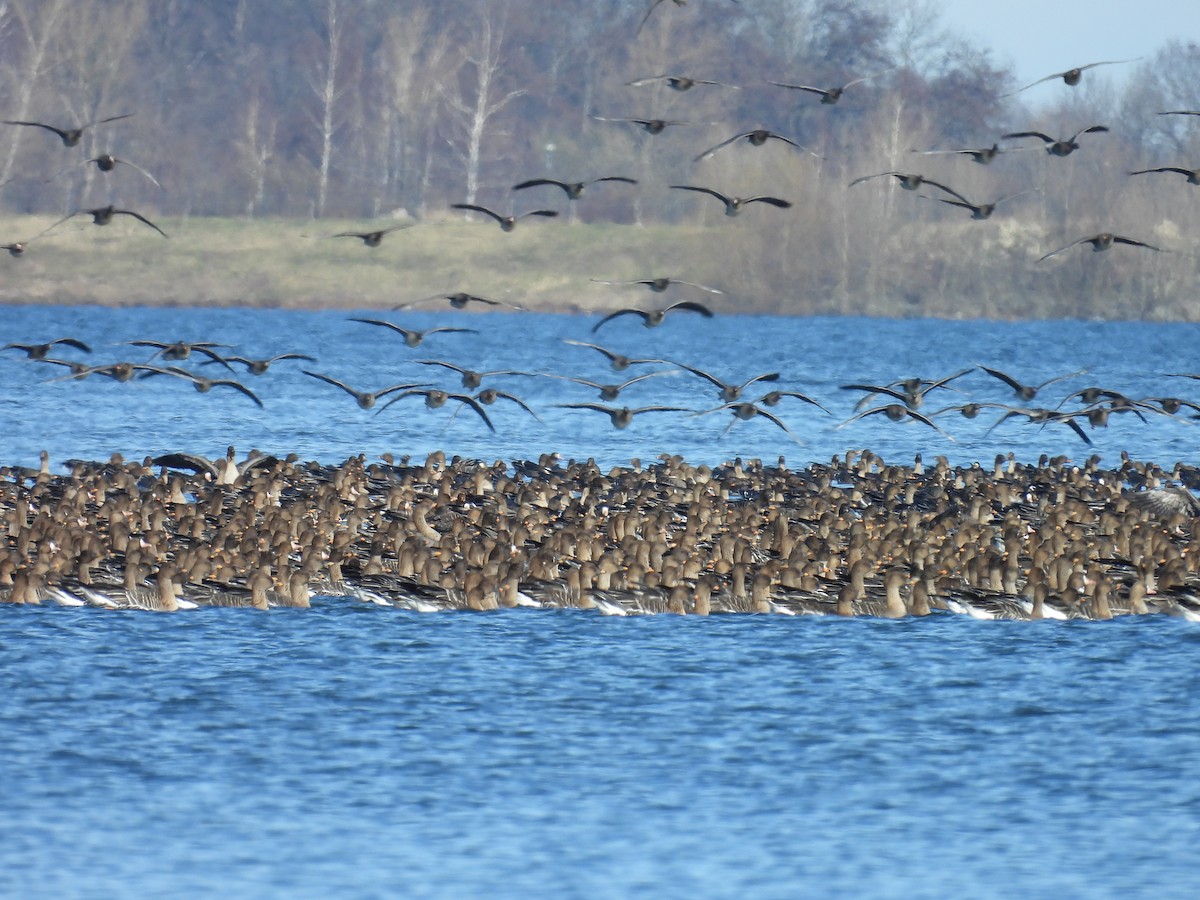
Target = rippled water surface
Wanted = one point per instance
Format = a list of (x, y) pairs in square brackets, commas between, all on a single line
[(352, 751)]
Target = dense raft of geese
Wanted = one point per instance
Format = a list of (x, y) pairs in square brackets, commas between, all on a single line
[(855, 537)]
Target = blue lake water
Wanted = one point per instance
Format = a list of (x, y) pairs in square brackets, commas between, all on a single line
[(352, 751)]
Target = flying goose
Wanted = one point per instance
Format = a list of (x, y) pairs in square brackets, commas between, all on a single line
[(1029, 391), (678, 82), (199, 382), (727, 391), (618, 361), (258, 366), (982, 210), (650, 126), (103, 215), (829, 96), (39, 351), (896, 412), (1063, 147), (621, 417), (756, 138), (1192, 175), (910, 181), (507, 223), (412, 337), (1102, 241), (745, 411), (459, 300), (435, 399), (659, 285), (654, 317), (372, 238), (573, 189), (734, 205), (609, 391), (1070, 76), (364, 399), (470, 378), (70, 136)]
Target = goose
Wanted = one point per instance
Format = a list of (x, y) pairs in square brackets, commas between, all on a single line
[(618, 361), (103, 215), (755, 137), (1071, 77), (983, 210), (258, 366), (364, 399), (621, 417), (412, 337), (70, 136), (106, 162), (910, 182), (1164, 502), (734, 205), (225, 471), (659, 285), (772, 398), (18, 248), (1029, 391), (435, 399), (744, 411), (828, 95), (1102, 241), (372, 238), (678, 82), (911, 390), (727, 391), (1042, 417), (507, 223), (181, 350), (470, 378), (1181, 112), (652, 318), (39, 351), (459, 300), (489, 396), (573, 189), (609, 391), (650, 126), (1062, 147), (897, 412), (1192, 175), (981, 155), (200, 383)]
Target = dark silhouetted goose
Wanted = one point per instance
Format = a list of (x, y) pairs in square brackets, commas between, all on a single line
[(618, 361), (829, 96), (621, 417), (1102, 241), (1063, 147), (1070, 76), (896, 412), (982, 210), (1192, 175), (1181, 112), (573, 189), (507, 223), (434, 399), (372, 238), (70, 136), (118, 371), (470, 378), (412, 337), (489, 396), (652, 318), (981, 155), (660, 285), (199, 382), (1040, 416), (39, 351), (609, 391), (1029, 391), (459, 300), (258, 366), (910, 182), (106, 162), (365, 399), (180, 350), (733, 205), (756, 138), (726, 391), (744, 411), (103, 215), (650, 126), (678, 82), (772, 398), (911, 390)]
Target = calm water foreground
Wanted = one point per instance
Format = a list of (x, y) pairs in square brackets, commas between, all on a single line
[(352, 751), (347, 751)]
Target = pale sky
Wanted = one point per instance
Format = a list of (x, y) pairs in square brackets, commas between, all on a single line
[(1040, 37)]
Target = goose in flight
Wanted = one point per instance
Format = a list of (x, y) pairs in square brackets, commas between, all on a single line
[(981, 155), (1103, 241), (896, 412), (106, 162), (651, 318), (573, 189), (470, 378), (507, 223), (609, 391), (756, 138), (1070, 76), (435, 399), (1192, 175), (650, 126), (459, 300), (1063, 147), (180, 350), (910, 181), (372, 238), (678, 82), (982, 210), (364, 399), (734, 205), (744, 411), (621, 416), (618, 361), (772, 398), (103, 215), (40, 351), (199, 382), (412, 337), (660, 285), (829, 96), (491, 395), (1029, 391), (258, 366), (727, 391), (70, 136)]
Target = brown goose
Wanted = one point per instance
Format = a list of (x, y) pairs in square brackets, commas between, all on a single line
[(1063, 147), (1102, 241), (829, 96), (106, 162), (981, 155), (660, 285), (896, 412), (726, 391), (650, 126), (372, 238), (1070, 76), (103, 215), (734, 205), (910, 181), (756, 138), (652, 318), (70, 136), (364, 399), (39, 351), (618, 361), (459, 300), (259, 366), (412, 337), (1029, 391), (434, 399), (621, 417), (744, 411), (506, 223), (982, 210), (608, 391), (678, 82), (470, 378), (573, 189), (199, 382)]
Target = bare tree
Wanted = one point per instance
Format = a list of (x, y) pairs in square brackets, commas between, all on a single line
[(323, 79), (483, 64), (256, 148)]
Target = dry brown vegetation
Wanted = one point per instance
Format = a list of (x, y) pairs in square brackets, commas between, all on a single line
[(273, 128)]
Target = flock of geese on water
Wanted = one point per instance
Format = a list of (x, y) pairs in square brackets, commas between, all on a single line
[(855, 537), (759, 396)]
